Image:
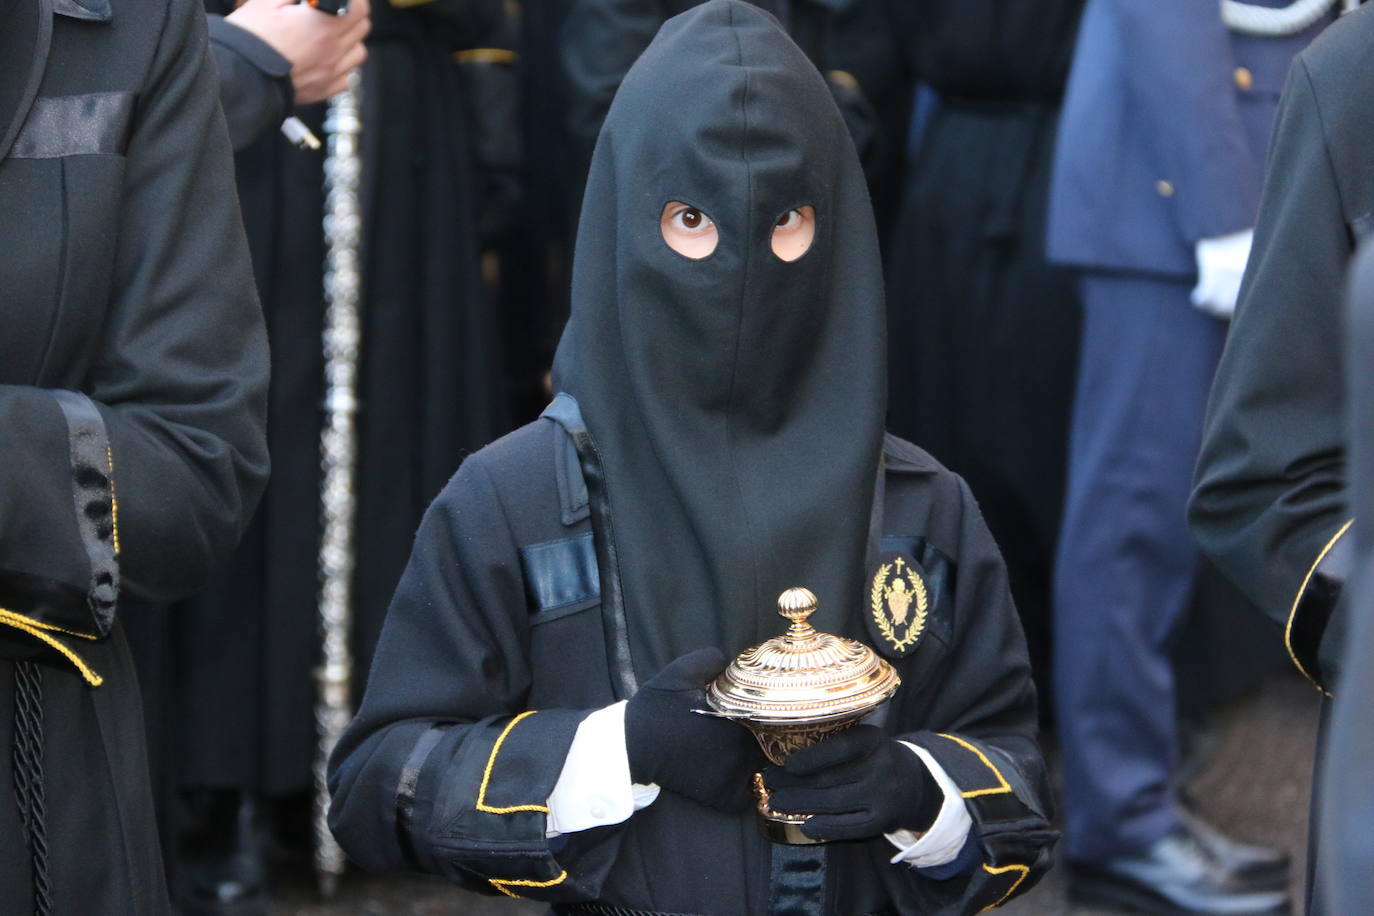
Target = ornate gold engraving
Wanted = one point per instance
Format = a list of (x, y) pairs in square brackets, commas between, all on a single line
[(896, 588), (794, 690)]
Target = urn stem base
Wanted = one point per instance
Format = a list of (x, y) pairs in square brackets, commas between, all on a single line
[(786, 833)]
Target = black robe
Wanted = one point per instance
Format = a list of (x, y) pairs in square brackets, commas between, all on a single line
[(1271, 500), (501, 611), (982, 332), (428, 386), (1269, 504), (133, 379)]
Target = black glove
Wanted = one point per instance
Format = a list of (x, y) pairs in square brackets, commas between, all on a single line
[(709, 760), (858, 783)]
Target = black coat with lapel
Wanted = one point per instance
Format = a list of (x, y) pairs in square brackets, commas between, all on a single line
[(133, 370), (1270, 499)]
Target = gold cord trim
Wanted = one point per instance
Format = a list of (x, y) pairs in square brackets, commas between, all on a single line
[(502, 884), (1003, 786), (845, 79), (29, 621), (114, 503), (486, 56), (19, 622), (1023, 869), (486, 778), (1297, 599)]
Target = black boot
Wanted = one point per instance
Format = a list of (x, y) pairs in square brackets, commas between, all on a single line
[(225, 873)]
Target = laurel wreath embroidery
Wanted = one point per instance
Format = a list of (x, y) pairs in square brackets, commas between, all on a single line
[(918, 622)]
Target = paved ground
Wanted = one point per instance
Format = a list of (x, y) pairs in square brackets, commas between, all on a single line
[(1254, 784)]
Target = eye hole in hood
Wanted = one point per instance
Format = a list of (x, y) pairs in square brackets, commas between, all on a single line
[(688, 231), (794, 232)]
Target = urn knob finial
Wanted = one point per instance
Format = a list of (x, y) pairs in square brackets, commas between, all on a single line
[(797, 604)]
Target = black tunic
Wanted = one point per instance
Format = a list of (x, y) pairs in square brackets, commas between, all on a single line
[(133, 376), (982, 338), (428, 394), (1270, 500), (482, 629)]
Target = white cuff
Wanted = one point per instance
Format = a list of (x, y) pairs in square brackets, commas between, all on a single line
[(594, 788), (942, 842), (1220, 268)]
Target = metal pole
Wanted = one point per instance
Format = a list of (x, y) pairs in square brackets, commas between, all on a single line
[(338, 450)]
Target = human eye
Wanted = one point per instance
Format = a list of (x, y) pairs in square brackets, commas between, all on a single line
[(793, 232), (688, 230), (690, 219)]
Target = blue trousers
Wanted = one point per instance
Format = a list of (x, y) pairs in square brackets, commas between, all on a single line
[(1126, 564)]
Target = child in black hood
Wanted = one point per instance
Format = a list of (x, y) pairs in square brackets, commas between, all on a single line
[(717, 438)]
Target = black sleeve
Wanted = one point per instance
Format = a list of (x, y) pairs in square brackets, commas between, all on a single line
[(139, 484), (254, 81), (1269, 500), (981, 729), (444, 769)]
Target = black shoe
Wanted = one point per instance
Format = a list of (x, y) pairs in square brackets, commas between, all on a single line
[(1259, 867), (225, 873), (1176, 876)]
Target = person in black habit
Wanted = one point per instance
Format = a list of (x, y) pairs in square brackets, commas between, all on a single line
[(1271, 501), (246, 646), (982, 330), (274, 55), (133, 394), (717, 437)]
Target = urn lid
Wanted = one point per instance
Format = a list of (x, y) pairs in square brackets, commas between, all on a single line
[(803, 676)]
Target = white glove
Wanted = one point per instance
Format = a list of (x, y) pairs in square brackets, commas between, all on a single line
[(1220, 267)]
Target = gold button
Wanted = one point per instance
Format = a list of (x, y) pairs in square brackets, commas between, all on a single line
[(1164, 188), (1245, 80)]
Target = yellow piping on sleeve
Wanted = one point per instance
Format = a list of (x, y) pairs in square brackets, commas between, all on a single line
[(1297, 599), (1023, 869), (486, 776), (503, 885), (1002, 787)]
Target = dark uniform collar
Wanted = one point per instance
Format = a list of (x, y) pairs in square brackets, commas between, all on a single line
[(86, 10), (23, 56), (24, 44)]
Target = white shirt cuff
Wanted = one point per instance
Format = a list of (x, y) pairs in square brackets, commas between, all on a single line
[(941, 843), (594, 788)]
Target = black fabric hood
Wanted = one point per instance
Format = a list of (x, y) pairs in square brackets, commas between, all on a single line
[(736, 401)]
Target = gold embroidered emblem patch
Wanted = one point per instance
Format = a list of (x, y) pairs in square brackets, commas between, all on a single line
[(899, 604)]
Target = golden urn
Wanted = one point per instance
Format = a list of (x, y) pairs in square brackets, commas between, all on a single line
[(796, 689)]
